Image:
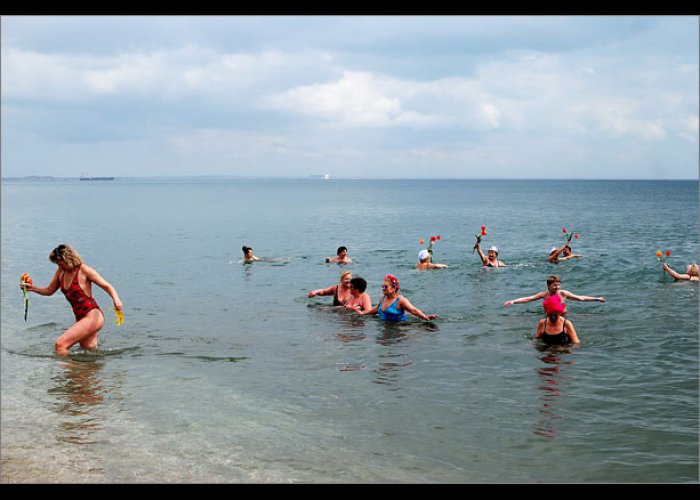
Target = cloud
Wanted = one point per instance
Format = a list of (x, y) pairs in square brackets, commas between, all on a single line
[(190, 71), (355, 99), (435, 92)]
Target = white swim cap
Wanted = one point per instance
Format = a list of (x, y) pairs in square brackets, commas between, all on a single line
[(423, 254), (494, 248), (554, 249)]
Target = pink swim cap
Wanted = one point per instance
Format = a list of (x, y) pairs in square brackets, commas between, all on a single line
[(553, 305), (392, 279)]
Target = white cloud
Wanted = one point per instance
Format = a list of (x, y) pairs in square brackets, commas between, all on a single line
[(450, 92), (355, 99), (188, 72)]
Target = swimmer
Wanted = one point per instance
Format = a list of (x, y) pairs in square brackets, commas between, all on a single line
[(248, 255), (564, 251), (342, 257), (490, 260), (341, 292), (424, 257), (393, 306), (75, 279), (692, 272), (360, 300), (555, 329), (554, 288)]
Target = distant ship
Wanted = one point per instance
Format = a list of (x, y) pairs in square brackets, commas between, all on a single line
[(85, 177), (321, 176)]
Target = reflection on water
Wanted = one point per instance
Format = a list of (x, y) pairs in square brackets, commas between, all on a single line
[(353, 326), (79, 392), (550, 386), (391, 360)]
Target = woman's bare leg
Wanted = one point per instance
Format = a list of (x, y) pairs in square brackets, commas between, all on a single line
[(83, 331)]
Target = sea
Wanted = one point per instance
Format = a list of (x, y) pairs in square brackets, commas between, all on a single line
[(226, 372)]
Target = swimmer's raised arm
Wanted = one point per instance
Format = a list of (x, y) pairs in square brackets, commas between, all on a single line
[(523, 300)]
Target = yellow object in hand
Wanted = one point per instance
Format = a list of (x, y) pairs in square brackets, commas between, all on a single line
[(119, 314)]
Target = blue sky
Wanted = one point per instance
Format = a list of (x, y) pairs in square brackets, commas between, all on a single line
[(582, 97)]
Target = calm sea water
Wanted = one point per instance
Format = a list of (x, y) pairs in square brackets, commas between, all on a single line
[(225, 372)]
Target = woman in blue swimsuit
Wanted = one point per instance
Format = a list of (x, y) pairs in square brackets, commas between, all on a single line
[(393, 306)]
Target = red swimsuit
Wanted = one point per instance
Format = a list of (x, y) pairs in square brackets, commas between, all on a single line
[(78, 299)]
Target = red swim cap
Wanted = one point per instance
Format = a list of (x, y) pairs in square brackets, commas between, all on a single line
[(553, 305)]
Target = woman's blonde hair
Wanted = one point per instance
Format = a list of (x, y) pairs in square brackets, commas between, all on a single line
[(65, 254), (345, 273)]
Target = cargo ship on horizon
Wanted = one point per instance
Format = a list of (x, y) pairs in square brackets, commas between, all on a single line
[(85, 177)]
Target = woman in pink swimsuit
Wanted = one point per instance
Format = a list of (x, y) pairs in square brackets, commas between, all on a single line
[(75, 280), (554, 288)]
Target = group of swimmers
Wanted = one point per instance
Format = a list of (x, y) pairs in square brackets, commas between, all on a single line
[(554, 329), (490, 259), (75, 278)]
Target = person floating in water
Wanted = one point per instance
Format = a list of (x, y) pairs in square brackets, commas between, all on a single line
[(342, 257), (692, 272), (393, 306), (424, 258), (554, 289), (555, 329), (562, 253), (341, 293), (490, 260), (75, 279), (360, 300), (248, 255)]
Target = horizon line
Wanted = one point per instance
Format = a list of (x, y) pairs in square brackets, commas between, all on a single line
[(316, 177)]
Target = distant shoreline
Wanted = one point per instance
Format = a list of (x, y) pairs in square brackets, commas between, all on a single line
[(316, 178)]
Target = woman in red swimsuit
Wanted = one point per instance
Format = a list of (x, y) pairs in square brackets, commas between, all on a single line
[(75, 280)]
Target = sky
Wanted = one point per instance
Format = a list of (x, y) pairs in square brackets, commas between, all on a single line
[(537, 97)]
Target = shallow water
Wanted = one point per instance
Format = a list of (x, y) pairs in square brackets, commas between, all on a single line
[(226, 372)]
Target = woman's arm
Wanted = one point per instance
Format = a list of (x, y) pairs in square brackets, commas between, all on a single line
[(674, 273), (571, 332), (48, 290), (371, 310), (555, 255), (323, 291), (483, 257), (406, 305), (95, 278), (572, 256), (523, 300), (366, 302), (437, 266), (540, 328), (581, 298)]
